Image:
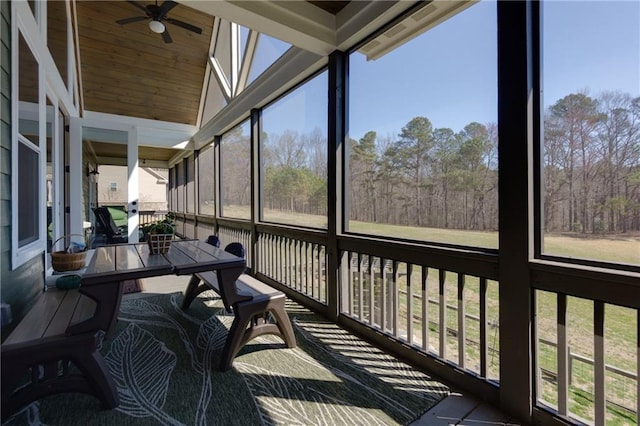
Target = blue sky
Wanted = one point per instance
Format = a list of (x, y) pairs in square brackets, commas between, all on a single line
[(449, 74)]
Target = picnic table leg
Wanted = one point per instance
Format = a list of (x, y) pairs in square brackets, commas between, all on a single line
[(192, 291), (107, 297)]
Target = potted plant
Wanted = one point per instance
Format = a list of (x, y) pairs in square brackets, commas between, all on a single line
[(159, 234)]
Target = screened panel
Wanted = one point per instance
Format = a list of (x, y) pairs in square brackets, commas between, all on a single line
[(422, 140), (235, 165), (206, 182), (591, 122), (190, 184), (294, 157)]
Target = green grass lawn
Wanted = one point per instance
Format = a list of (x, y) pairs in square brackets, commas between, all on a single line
[(620, 248)]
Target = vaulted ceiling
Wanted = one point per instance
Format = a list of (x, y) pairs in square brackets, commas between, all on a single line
[(129, 70)]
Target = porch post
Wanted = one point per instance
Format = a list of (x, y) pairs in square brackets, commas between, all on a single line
[(516, 201), (335, 168), (75, 178), (256, 194), (132, 185)]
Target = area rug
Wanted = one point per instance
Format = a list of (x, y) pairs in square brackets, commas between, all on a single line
[(164, 362), (132, 286)]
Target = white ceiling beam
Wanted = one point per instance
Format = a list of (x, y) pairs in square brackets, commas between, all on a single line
[(150, 132), (247, 60), (122, 161), (221, 78), (296, 22)]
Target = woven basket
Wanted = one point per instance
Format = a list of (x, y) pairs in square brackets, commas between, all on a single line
[(62, 261), (159, 243)]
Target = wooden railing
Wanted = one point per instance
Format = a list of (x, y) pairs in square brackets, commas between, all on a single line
[(449, 315), (297, 260), (587, 365), (148, 216), (444, 303)]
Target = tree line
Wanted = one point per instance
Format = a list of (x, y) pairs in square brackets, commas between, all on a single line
[(436, 177)]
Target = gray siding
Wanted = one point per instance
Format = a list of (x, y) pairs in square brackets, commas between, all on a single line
[(18, 287)]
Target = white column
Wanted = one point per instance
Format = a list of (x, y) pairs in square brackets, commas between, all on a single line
[(75, 178), (134, 203)]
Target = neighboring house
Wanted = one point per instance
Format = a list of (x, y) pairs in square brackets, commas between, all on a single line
[(152, 183)]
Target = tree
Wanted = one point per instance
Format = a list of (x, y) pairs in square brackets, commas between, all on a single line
[(413, 150), (363, 174), (577, 116), (619, 137)]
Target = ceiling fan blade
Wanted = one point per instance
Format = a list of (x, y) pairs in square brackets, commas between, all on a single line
[(184, 25), (166, 7), (132, 19), (166, 37), (139, 6)]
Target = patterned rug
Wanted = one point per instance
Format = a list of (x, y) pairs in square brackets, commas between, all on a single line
[(164, 362)]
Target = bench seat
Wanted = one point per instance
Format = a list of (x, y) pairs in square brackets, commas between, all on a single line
[(254, 305), (38, 355)]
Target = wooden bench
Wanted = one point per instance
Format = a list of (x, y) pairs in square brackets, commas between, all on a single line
[(39, 358), (251, 301)]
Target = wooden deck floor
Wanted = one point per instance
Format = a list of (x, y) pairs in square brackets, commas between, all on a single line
[(456, 409)]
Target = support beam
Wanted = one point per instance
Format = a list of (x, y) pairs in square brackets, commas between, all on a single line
[(515, 112), (75, 177), (338, 65), (132, 186)]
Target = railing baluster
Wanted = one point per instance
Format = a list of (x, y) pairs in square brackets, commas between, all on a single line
[(484, 354), (425, 309), (360, 286), (307, 269), (320, 271), (563, 358), (462, 335), (396, 301), (383, 295), (314, 270), (409, 304), (598, 363), (443, 314), (372, 280)]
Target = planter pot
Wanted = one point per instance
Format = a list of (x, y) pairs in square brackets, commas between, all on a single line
[(159, 243)]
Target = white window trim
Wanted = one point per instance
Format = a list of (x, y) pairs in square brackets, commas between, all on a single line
[(20, 255)]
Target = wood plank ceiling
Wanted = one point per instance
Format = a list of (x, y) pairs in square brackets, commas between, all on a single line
[(129, 70)]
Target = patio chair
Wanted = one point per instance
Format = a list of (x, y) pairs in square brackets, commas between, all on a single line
[(213, 240), (114, 234)]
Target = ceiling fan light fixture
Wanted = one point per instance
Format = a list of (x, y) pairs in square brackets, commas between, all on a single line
[(156, 27)]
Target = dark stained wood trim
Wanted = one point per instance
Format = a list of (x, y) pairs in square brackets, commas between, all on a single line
[(338, 79), (515, 87)]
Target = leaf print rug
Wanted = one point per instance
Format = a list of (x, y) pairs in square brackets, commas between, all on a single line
[(165, 364)]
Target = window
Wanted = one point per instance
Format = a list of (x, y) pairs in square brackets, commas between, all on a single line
[(235, 170), (422, 147), (113, 186), (294, 157), (27, 189), (206, 182), (591, 123)]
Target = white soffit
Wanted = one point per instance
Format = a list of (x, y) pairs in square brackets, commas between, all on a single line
[(102, 127), (417, 22)]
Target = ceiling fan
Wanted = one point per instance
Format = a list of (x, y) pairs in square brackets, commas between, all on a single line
[(158, 14)]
